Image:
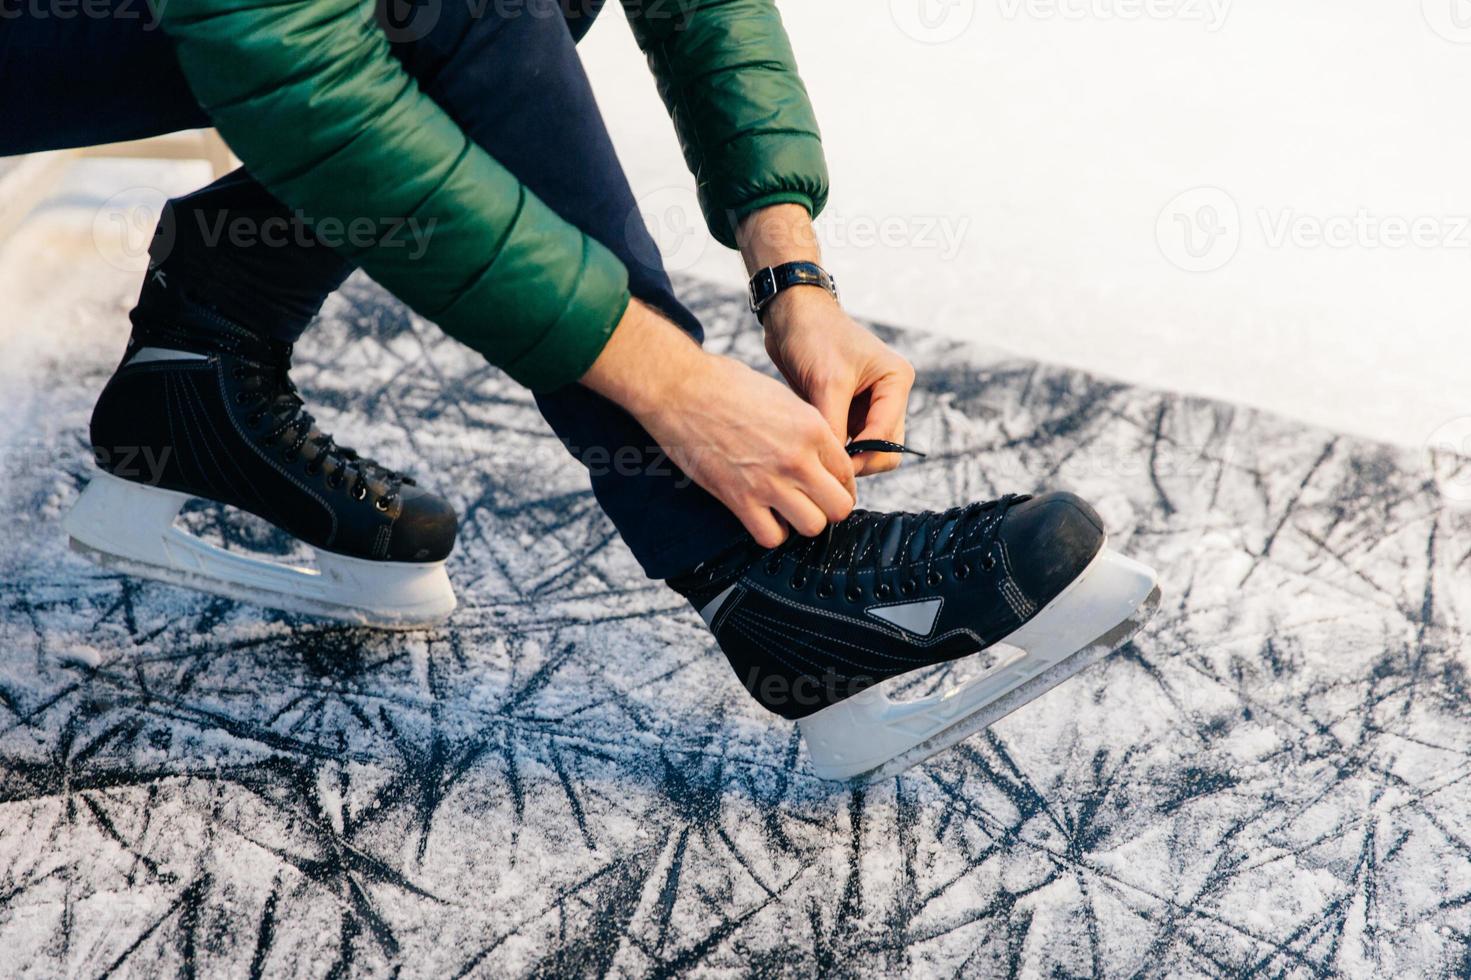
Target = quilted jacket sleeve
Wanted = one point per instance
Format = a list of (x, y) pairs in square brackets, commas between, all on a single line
[(310, 97), (726, 71)]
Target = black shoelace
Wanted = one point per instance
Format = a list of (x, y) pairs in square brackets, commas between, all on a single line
[(913, 542), (269, 392)]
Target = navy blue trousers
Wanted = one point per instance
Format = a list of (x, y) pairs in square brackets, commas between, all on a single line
[(514, 83)]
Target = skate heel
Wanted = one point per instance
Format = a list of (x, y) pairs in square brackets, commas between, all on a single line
[(118, 517), (874, 736), (130, 527)]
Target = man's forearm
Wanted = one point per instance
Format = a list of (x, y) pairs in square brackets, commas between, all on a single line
[(644, 358)]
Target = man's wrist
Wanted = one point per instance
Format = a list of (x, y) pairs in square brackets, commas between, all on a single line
[(776, 235), (645, 361), (793, 306)]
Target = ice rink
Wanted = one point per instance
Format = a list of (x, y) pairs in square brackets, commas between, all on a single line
[(1023, 173), (1273, 779)]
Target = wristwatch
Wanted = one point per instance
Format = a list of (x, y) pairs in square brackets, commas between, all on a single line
[(770, 283)]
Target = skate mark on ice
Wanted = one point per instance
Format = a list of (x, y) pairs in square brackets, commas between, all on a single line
[(568, 780)]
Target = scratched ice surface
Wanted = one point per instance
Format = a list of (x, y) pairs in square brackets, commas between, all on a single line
[(568, 780)]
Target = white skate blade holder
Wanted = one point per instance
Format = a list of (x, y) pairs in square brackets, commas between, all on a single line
[(130, 527), (870, 736)]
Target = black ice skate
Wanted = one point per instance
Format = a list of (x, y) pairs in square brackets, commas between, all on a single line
[(201, 407), (821, 630)]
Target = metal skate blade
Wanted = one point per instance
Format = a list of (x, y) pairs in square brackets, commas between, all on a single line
[(1020, 696), (286, 602)]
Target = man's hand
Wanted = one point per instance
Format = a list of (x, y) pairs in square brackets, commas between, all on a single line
[(744, 437), (858, 384)]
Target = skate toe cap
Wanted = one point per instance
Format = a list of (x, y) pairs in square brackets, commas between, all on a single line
[(425, 529), (1049, 540)]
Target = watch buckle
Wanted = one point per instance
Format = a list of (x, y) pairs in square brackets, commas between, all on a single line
[(760, 296)]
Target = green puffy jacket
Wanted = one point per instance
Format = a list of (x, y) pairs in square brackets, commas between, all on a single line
[(310, 97)]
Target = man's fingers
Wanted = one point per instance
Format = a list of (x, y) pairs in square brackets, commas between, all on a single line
[(832, 496), (832, 401), (762, 525), (805, 517), (888, 404), (837, 463)]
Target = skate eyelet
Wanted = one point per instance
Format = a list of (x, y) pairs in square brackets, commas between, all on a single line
[(825, 591), (254, 419), (359, 492), (908, 587), (773, 565), (381, 504), (933, 579), (854, 594), (238, 374), (962, 571), (312, 469), (241, 397), (290, 456), (989, 563), (799, 582), (884, 590)]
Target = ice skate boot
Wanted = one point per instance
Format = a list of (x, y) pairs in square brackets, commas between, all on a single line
[(202, 407), (823, 630)]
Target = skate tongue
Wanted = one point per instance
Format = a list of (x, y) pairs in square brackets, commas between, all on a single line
[(889, 550)]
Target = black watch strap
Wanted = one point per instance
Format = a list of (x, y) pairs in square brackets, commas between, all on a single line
[(768, 284)]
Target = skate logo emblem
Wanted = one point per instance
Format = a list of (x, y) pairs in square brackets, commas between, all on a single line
[(916, 617), (1451, 19), (1200, 230), (933, 21)]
